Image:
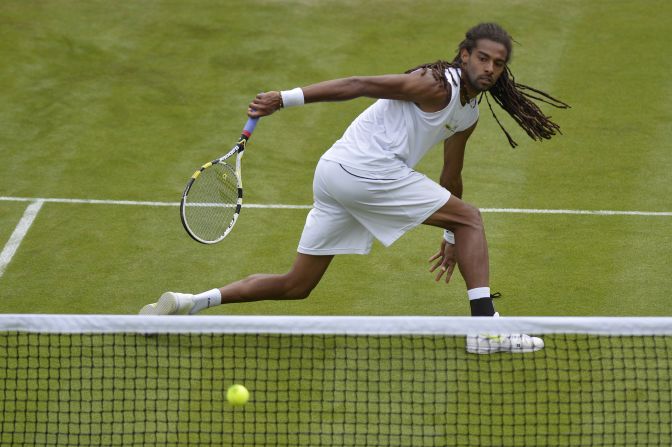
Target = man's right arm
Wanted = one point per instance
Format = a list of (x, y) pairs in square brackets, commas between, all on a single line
[(419, 87)]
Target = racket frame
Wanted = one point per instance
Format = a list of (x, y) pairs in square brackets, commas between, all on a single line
[(238, 149)]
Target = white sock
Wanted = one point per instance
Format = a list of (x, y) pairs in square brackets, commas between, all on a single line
[(478, 293), (207, 299)]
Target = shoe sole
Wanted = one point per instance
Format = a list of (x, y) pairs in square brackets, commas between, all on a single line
[(495, 350)]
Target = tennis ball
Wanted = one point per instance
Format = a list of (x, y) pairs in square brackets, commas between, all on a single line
[(237, 395)]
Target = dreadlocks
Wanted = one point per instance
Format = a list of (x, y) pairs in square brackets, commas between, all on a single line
[(514, 98)]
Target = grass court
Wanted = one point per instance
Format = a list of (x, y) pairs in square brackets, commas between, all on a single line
[(108, 107)]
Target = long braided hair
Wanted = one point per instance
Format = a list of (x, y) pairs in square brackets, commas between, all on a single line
[(514, 98)]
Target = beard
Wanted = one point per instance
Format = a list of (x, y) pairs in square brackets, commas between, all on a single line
[(480, 83)]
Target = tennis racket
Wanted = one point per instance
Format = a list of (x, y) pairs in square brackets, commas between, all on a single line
[(213, 197)]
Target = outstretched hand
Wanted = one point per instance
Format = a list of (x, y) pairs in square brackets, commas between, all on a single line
[(264, 104), (445, 261)]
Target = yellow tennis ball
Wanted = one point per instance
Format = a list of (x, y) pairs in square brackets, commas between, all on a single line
[(237, 395)]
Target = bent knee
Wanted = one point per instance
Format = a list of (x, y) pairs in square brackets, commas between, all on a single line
[(297, 293), (296, 290), (469, 216), (456, 214)]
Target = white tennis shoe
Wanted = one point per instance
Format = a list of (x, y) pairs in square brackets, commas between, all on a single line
[(514, 343), (172, 303)]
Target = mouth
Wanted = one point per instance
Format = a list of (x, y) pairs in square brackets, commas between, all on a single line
[(486, 79)]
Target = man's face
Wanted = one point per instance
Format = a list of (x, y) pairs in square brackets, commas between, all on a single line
[(485, 64)]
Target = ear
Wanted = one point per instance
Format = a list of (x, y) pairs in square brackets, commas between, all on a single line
[(464, 55)]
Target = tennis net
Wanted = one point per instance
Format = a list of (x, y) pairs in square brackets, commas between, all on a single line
[(76, 380)]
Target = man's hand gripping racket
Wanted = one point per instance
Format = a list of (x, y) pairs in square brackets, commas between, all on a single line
[(213, 197)]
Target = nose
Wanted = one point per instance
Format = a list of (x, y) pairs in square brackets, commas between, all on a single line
[(489, 67)]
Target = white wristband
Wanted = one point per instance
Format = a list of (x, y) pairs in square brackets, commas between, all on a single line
[(291, 98), (449, 237)]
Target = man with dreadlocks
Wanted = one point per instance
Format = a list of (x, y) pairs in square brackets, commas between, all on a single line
[(365, 185)]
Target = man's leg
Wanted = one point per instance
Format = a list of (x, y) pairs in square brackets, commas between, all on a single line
[(302, 278), (471, 252)]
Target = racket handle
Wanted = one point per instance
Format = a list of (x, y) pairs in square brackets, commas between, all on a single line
[(249, 126)]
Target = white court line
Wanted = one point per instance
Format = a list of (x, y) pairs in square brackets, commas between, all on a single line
[(589, 212), (19, 232), (139, 203), (307, 207)]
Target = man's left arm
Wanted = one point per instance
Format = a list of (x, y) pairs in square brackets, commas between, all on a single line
[(451, 179), (453, 161)]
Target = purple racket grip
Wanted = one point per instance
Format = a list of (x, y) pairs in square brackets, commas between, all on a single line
[(249, 126)]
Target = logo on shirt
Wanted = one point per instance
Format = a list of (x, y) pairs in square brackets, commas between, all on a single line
[(451, 127)]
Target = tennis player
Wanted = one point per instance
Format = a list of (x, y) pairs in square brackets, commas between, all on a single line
[(365, 187)]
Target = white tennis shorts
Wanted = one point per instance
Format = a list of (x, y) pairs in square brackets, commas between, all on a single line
[(352, 207)]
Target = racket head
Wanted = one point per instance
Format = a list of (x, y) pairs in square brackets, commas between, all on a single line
[(211, 202)]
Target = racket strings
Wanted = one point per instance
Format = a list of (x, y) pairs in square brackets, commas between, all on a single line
[(212, 200)]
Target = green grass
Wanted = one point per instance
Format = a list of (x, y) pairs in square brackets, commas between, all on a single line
[(123, 100)]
